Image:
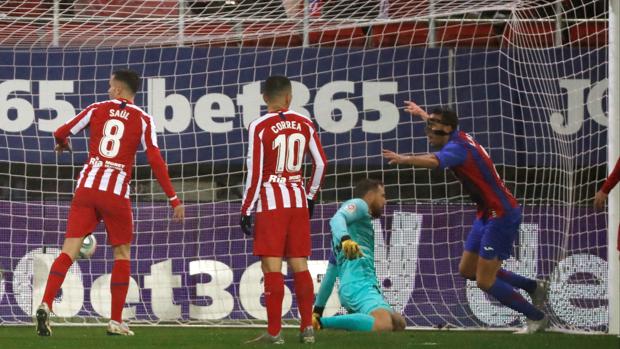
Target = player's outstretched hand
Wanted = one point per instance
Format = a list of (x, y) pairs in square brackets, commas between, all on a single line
[(246, 225), (599, 200), (351, 249), (415, 110), (394, 158), (178, 214), (59, 148)]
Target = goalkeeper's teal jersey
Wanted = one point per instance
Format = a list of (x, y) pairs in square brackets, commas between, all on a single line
[(353, 219)]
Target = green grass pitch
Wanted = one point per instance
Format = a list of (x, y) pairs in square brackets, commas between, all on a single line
[(22, 337)]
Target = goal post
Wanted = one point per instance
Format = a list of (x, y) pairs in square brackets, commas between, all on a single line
[(529, 80), (613, 136)]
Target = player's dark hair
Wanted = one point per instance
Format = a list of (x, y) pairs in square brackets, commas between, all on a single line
[(276, 85), (365, 185), (448, 116), (129, 78)]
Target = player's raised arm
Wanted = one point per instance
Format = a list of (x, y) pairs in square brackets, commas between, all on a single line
[(439, 131), (415, 110), (424, 160), (158, 165)]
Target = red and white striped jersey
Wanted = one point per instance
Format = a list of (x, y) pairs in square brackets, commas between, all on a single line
[(117, 127), (278, 143)]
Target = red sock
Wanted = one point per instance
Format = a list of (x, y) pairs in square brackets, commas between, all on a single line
[(119, 284), (304, 290), (274, 294), (56, 278)]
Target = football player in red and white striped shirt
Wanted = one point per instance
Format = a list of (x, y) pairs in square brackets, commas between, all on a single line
[(117, 127), (278, 142)]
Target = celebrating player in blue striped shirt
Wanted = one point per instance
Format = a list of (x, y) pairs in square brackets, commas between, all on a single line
[(498, 218), (353, 241)]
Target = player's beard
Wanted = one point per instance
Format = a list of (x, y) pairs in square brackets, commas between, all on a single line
[(436, 142), (376, 212), (433, 143)]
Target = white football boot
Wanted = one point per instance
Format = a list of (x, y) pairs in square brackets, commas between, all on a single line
[(307, 335), (533, 326), (116, 328), (266, 338)]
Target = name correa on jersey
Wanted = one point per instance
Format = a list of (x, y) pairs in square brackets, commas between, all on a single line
[(278, 143)]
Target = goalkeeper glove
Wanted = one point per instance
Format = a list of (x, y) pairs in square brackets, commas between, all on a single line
[(246, 225), (310, 207), (350, 248)]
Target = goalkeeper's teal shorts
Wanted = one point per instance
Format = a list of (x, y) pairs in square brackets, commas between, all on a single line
[(362, 297)]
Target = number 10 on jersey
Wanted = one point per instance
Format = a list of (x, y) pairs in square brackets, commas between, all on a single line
[(290, 151)]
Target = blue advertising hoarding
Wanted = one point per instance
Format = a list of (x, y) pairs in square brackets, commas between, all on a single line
[(203, 98)]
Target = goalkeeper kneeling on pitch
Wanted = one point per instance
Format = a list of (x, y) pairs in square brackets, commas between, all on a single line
[(353, 240)]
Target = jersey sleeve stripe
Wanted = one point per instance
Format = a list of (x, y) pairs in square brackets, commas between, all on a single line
[(152, 133), (254, 172), (149, 134), (318, 158), (79, 126), (142, 138)]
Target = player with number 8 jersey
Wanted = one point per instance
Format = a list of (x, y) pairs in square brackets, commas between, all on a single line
[(117, 127), (278, 142)]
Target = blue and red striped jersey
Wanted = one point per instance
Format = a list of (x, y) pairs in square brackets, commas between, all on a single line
[(474, 168)]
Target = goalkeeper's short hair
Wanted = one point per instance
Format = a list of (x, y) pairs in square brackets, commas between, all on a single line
[(365, 185)]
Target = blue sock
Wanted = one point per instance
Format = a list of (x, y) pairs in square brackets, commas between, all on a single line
[(506, 295), (350, 322), (517, 280)]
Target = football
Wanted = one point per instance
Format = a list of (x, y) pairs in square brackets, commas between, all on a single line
[(89, 245)]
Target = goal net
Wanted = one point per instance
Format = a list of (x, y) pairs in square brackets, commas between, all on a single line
[(528, 80)]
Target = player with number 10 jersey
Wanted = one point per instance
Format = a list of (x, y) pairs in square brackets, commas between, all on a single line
[(278, 142)]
